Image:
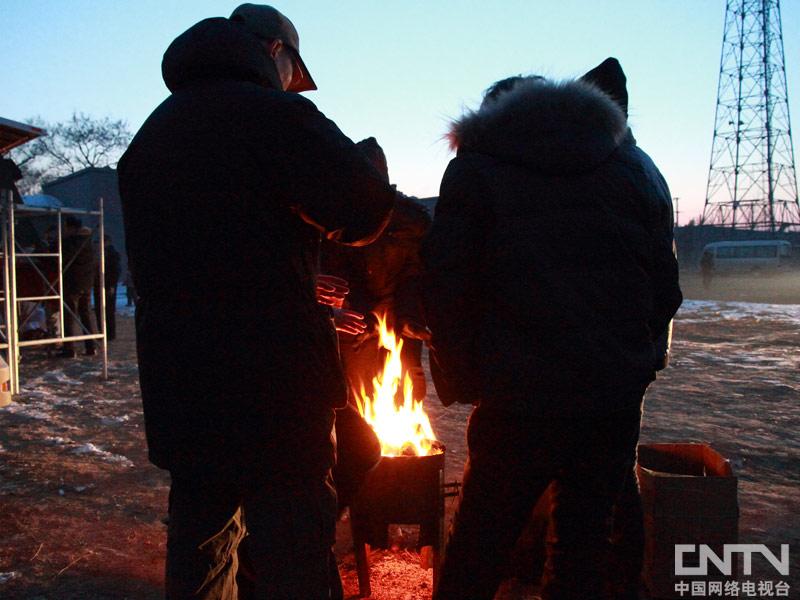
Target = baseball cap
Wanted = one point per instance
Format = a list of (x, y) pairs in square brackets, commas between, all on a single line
[(267, 23)]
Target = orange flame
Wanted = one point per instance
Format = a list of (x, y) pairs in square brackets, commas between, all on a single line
[(402, 429)]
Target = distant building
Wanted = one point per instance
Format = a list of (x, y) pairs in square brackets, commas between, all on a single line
[(82, 190)]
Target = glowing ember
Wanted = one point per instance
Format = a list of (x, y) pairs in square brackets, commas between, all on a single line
[(402, 428)]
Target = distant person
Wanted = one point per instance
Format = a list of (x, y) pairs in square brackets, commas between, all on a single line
[(78, 267), (49, 268), (10, 174), (238, 367), (383, 279), (49, 239), (130, 289), (112, 267), (549, 276), (707, 268)]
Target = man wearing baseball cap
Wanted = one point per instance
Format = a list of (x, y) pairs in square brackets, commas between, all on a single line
[(226, 190), (279, 35)]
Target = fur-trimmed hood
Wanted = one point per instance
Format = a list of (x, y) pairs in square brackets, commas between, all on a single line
[(552, 127)]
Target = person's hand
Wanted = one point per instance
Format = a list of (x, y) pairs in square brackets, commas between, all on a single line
[(349, 321), (416, 331), (331, 290)]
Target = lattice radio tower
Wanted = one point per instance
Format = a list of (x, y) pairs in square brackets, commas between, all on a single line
[(751, 181)]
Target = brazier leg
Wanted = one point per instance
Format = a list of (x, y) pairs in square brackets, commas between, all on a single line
[(361, 551)]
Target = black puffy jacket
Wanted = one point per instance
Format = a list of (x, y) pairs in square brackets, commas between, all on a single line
[(549, 267), (225, 191)]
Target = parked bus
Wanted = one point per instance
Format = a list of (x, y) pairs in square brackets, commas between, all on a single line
[(768, 255)]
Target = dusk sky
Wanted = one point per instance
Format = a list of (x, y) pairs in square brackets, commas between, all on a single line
[(399, 70)]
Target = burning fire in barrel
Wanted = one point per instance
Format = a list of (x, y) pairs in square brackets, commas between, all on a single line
[(407, 485), (403, 428)]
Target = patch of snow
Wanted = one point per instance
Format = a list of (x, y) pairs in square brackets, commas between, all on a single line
[(60, 377), (35, 411), (67, 402), (103, 454), (8, 576), (115, 420), (57, 441), (124, 310), (701, 309), (42, 394)]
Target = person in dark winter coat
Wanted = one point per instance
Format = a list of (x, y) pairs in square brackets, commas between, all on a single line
[(239, 369), (627, 537), (79, 264), (549, 277), (383, 278), (130, 290), (10, 174), (112, 268), (707, 268)]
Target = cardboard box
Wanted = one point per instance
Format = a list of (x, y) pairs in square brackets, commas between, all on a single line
[(689, 496)]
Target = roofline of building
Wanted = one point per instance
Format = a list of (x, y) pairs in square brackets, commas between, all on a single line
[(18, 133), (79, 173)]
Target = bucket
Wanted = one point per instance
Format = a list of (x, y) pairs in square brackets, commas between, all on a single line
[(689, 496)]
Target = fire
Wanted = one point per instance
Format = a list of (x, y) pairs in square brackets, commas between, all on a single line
[(403, 429)]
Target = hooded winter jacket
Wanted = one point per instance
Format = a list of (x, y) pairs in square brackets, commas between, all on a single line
[(549, 273), (225, 191)]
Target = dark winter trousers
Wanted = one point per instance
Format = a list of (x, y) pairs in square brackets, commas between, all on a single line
[(290, 529), (512, 461), (78, 318)]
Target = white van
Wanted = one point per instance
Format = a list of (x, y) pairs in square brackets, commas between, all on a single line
[(750, 255)]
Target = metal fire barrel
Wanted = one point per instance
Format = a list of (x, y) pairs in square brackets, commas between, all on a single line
[(400, 490)]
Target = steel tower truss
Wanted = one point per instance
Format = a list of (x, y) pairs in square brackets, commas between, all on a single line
[(751, 181)]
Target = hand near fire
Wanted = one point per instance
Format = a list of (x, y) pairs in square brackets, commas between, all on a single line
[(349, 321), (331, 290)]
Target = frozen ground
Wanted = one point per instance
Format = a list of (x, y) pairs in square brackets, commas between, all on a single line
[(81, 508)]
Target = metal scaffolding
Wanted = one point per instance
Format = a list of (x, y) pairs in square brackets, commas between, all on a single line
[(54, 290)]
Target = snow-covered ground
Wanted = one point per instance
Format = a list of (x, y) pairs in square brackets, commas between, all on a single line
[(81, 508)]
